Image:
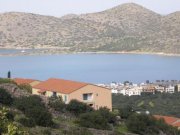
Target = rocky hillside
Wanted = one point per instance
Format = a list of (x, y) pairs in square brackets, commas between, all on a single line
[(128, 27)]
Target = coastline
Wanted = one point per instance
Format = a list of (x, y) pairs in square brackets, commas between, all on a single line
[(133, 52), (48, 51)]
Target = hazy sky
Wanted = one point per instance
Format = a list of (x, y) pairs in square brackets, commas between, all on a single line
[(63, 7)]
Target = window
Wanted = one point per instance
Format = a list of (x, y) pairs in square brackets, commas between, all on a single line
[(87, 96), (65, 98), (54, 94), (44, 93)]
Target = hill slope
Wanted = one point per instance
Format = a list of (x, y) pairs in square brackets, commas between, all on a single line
[(128, 27)]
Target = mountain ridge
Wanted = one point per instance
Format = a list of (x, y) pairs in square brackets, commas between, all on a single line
[(128, 27)]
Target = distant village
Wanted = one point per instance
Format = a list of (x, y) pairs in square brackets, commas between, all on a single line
[(130, 89)]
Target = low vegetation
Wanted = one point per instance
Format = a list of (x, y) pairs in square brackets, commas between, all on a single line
[(5, 97), (26, 87), (35, 111), (7, 127), (75, 107), (100, 119), (160, 103), (32, 115), (147, 125), (6, 80)]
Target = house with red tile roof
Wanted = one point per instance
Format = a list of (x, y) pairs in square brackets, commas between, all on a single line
[(31, 82), (90, 94), (173, 121)]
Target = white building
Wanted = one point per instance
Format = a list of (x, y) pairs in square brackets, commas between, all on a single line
[(115, 91), (170, 89), (178, 87), (160, 88), (122, 91), (134, 91)]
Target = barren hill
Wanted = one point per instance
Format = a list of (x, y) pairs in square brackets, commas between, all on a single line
[(128, 27)]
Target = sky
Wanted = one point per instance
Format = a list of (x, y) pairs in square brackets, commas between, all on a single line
[(62, 7)]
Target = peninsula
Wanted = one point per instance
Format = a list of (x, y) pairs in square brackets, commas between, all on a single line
[(126, 28)]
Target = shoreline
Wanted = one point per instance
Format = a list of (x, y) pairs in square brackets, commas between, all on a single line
[(138, 53), (38, 52)]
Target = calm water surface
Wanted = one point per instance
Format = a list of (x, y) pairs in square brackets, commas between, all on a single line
[(94, 68)]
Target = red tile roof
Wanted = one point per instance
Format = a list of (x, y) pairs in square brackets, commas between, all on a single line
[(177, 124), (60, 85), (23, 81), (173, 121)]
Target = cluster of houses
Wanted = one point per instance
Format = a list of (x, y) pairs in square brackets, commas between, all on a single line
[(99, 95), (93, 95), (131, 89)]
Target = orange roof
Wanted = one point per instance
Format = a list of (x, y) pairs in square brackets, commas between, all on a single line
[(177, 124), (173, 121), (23, 81), (60, 85)]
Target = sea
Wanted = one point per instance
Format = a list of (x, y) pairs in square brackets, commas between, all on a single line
[(92, 68)]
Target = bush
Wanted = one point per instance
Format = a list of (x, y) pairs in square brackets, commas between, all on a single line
[(5, 97), (145, 124), (40, 115), (100, 119), (125, 112), (93, 120), (7, 127), (6, 80), (27, 122), (111, 118), (26, 87), (10, 115), (25, 103), (76, 131), (34, 109), (57, 104), (77, 107)]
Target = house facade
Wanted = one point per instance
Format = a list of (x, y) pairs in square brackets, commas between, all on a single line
[(90, 94), (134, 91), (170, 89), (150, 88), (160, 88), (178, 87)]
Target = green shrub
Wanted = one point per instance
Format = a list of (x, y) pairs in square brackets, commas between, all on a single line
[(26, 87), (40, 115), (6, 80), (145, 124), (27, 122), (7, 127), (34, 108), (99, 119), (57, 104), (125, 112), (93, 120), (5, 97), (25, 103), (76, 107), (46, 131), (10, 115), (105, 112), (76, 131)]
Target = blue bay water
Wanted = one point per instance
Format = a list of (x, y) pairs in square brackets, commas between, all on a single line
[(93, 68)]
